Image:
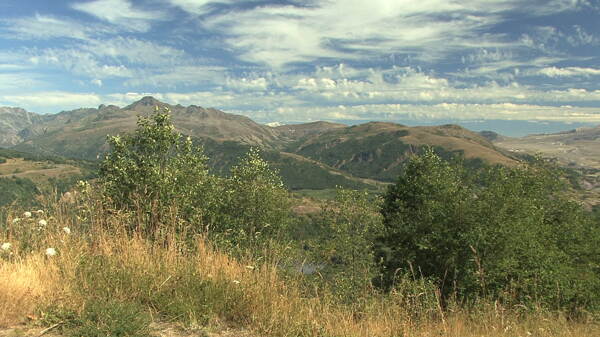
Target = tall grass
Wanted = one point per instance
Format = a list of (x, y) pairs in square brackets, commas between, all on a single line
[(105, 279)]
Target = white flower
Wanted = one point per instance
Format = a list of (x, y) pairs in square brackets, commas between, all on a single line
[(42, 223), (16, 221), (6, 246), (39, 211), (50, 251), (27, 214), (67, 230)]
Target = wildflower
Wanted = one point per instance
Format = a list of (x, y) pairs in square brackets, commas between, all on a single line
[(67, 230), (39, 212), (42, 223), (50, 251), (16, 221), (6, 246), (27, 214)]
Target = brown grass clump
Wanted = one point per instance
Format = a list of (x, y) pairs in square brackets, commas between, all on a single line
[(24, 284), (197, 285)]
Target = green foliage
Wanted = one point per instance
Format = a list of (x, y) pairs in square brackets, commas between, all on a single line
[(19, 190), (110, 318), (154, 171), (255, 204), (424, 216), (508, 233), (293, 170), (351, 223)]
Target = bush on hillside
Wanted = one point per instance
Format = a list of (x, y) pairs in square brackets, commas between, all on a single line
[(255, 204), (508, 232), (154, 171), (350, 223)]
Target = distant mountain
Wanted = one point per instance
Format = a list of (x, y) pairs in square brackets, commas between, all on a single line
[(313, 155), (298, 131), (13, 122), (82, 133), (377, 150)]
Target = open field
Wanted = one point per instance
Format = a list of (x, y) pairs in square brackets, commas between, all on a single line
[(37, 171)]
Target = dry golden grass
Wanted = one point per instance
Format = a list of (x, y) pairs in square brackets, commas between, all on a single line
[(257, 297), (23, 285)]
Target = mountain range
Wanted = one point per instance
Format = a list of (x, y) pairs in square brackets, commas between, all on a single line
[(313, 155)]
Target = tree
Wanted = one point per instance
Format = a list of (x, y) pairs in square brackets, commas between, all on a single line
[(255, 204), (155, 172), (351, 223), (424, 218), (506, 232)]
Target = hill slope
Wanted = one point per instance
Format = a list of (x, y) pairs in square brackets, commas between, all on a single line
[(23, 176), (312, 155), (82, 133), (376, 150), (13, 121)]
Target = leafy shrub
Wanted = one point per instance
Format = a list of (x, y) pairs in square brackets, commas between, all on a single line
[(508, 233), (351, 223), (255, 203), (20, 190), (155, 172)]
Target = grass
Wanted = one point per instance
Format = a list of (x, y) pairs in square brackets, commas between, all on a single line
[(105, 282)]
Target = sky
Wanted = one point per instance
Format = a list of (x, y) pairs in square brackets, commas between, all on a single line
[(425, 61)]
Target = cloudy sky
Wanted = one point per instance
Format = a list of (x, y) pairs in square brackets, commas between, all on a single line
[(301, 60)]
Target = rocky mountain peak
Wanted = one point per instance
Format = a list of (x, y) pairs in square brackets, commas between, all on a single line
[(144, 103)]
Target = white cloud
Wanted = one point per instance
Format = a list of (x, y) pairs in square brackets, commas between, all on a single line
[(280, 35), (135, 51), (45, 27), (51, 101), (13, 82), (120, 12), (80, 63), (196, 7), (567, 72), (178, 76)]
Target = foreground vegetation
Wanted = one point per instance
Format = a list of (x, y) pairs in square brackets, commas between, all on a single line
[(158, 238)]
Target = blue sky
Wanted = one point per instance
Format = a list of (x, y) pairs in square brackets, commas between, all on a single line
[(351, 60)]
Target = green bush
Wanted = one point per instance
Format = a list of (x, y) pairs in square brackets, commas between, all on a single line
[(255, 205), (507, 232), (350, 223), (20, 190), (155, 172)]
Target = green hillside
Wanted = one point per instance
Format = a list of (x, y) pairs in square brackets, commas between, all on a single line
[(377, 150), (24, 176)]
